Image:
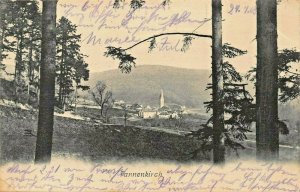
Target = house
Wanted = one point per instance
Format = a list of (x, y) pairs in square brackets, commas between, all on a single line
[(164, 109), (175, 115), (118, 104), (149, 113), (164, 115), (175, 107), (136, 107)]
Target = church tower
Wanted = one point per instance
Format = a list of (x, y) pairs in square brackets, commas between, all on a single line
[(162, 99)]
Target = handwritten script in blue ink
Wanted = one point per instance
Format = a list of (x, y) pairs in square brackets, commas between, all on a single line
[(105, 177), (99, 17)]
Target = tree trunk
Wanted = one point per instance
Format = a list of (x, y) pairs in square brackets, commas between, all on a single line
[(267, 134), (2, 8), (19, 66), (16, 60), (1, 40), (16, 82), (39, 84), (75, 99), (102, 108), (217, 81), (62, 69), (47, 89), (30, 69), (125, 117), (1, 47), (60, 92), (19, 56)]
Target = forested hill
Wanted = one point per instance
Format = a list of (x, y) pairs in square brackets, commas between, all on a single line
[(143, 85)]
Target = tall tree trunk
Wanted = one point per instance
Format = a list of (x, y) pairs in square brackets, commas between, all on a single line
[(39, 84), (16, 82), (1, 48), (62, 74), (47, 87), (30, 75), (267, 134), (64, 100), (1, 40), (2, 8), (16, 60), (19, 66), (60, 92), (102, 108), (75, 99), (217, 81), (19, 56), (125, 117)]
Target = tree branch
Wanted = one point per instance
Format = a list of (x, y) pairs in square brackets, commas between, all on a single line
[(298, 74), (164, 34)]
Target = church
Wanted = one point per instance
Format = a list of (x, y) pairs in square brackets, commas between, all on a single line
[(161, 99), (163, 112)]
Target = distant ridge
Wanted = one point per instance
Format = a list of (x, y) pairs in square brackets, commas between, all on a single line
[(181, 86)]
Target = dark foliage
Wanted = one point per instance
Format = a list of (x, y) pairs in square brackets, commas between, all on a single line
[(187, 41), (71, 68), (136, 4), (126, 60), (289, 77), (117, 4), (238, 108), (231, 52), (21, 32), (152, 44), (166, 2)]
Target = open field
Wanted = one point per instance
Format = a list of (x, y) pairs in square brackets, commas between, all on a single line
[(88, 140)]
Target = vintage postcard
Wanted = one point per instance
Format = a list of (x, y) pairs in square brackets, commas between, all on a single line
[(150, 95)]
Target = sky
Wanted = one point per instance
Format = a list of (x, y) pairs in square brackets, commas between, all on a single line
[(100, 26)]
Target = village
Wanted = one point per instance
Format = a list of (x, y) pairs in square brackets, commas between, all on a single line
[(164, 111)]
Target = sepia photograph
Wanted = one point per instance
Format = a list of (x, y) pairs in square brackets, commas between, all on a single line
[(150, 95)]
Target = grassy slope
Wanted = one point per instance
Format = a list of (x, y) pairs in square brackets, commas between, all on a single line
[(91, 141), (88, 140)]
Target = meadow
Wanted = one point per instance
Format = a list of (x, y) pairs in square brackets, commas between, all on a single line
[(89, 140), (92, 140)]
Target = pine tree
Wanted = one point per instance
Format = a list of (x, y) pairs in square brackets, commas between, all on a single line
[(22, 26), (19, 30), (81, 72), (33, 45), (288, 75), (238, 107), (6, 45), (288, 80), (69, 60), (3, 7)]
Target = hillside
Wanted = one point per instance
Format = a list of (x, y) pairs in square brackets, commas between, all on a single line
[(143, 85)]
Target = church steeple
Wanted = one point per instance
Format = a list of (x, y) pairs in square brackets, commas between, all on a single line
[(162, 99)]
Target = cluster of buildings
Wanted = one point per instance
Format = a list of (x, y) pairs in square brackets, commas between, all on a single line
[(171, 111)]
